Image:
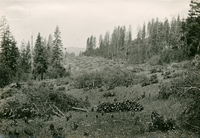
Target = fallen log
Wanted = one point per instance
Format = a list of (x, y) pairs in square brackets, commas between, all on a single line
[(80, 109)]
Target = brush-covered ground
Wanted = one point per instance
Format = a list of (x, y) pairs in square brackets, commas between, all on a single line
[(101, 99)]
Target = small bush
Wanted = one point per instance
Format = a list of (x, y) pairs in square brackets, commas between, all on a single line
[(89, 80), (153, 70), (160, 123), (56, 72), (109, 94), (154, 79), (145, 81), (61, 88)]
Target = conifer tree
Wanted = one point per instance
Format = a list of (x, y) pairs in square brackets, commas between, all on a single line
[(193, 26), (9, 54), (40, 60), (57, 53), (25, 62), (49, 48)]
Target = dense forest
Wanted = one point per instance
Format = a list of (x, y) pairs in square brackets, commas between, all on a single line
[(28, 61), (157, 41)]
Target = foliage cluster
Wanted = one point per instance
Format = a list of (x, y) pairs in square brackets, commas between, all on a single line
[(187, 90), (147, 81), (156, 69), (109, 94), (56, 72), (108, 78), (39, 100), (28, 61), (159, 122)]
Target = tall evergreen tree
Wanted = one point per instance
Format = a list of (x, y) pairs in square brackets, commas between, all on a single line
[(57, 52), (40, 60), (193, 26), (106, 44), (50, 43), (49, 48), (9, 54), (25, 61)]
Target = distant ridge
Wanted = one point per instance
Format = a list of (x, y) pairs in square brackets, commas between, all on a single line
[(75, 50)]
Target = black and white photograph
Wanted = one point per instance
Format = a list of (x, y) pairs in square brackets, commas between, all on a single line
[(99, 68)]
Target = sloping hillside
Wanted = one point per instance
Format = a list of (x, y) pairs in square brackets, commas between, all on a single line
[(87, 103)]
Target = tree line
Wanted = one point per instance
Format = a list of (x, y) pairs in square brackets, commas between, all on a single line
[(166, 41), (44, 59)]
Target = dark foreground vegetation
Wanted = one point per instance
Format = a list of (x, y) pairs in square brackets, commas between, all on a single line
[(45, 94)]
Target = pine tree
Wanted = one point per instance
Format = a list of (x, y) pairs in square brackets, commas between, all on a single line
[(57, 53), (9, 54), (49, 48), (25, 62), (50, 43), (143, 32), (193, 26), (166, 30), (106, 45), (40, 60), (94, 43)]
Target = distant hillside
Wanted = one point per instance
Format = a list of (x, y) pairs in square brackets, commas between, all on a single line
[(76, 50)]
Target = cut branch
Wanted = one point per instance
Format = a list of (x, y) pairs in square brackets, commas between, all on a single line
[(80, 109), (58, 110)]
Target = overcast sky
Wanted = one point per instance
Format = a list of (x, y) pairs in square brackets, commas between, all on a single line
[(79, 19)]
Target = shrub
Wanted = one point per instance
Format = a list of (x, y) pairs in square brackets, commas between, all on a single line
[(111, 78), (153, 70), (145, 81), (153, 79), (160, 123), (40, 99), (190, 93), (196, 62), (187, 90), (108, 94), (56, 72), (61, 88), (89, 80)]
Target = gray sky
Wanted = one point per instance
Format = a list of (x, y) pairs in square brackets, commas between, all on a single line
[(79, 19)]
